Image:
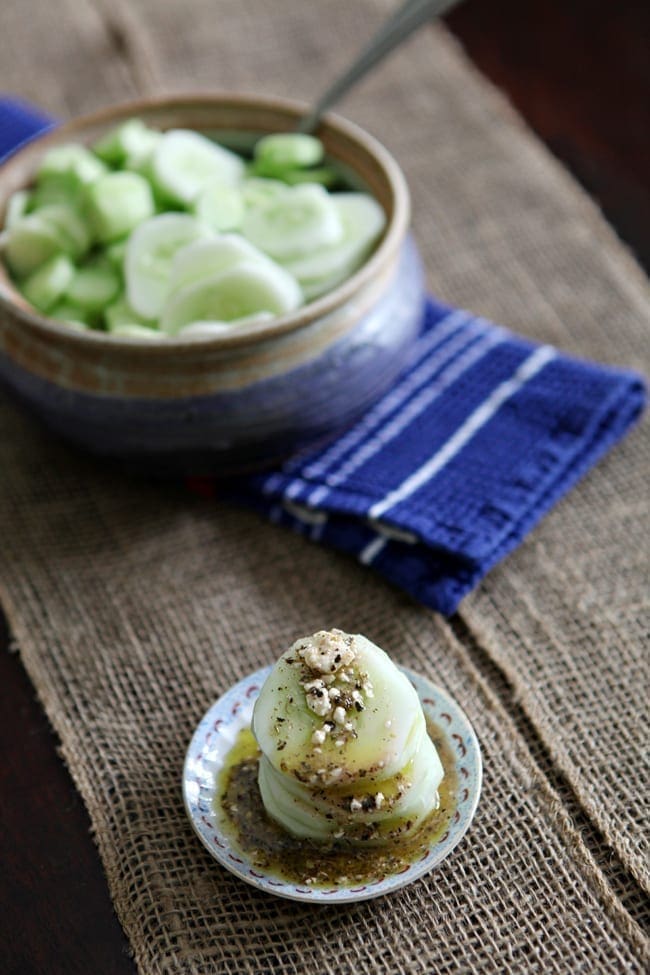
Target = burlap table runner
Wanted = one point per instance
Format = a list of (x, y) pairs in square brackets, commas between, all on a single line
[(135, 605)]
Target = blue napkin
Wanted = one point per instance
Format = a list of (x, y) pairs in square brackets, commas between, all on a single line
[(19, 122), (483, 432)]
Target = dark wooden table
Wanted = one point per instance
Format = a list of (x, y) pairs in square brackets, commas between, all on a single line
[(579, 72)]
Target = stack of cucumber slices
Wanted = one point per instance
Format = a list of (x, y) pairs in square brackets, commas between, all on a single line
[(153, 235)]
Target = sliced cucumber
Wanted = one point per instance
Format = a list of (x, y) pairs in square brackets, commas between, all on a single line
[(93, 288), (259, 190), (220, 207), (75, 325), (205, 258), (298, 221), (65, 220), (204, 269), (134, 331), (67, 312), (149, 254), (244, 290), (17, 206), (115, 254), (69, 166), (275, 154), (321, 286), (30, 242), (363, 221), (45, 286), (325, 176), (117, 203), (128, 145), (120, 312), (54, 193), (208, 330), (183, 163)]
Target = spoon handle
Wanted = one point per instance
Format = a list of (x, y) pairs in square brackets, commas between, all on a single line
[(411, 15)]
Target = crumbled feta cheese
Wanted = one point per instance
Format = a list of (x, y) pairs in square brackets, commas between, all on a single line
[(319, 705), (355, 805), (340, 742), (379, 800), (318, 697), (319, 736), (339, 715), (326, 651)]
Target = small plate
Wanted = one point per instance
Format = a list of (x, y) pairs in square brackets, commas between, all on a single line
[(216, 735)]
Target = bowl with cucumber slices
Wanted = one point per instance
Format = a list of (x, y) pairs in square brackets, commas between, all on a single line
[(190, 285)]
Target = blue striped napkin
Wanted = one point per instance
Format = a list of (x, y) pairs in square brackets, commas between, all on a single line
[(447, 473), (19, 122), (481, 435)]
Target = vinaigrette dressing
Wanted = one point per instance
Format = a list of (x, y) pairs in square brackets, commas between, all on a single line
[(243, 818)]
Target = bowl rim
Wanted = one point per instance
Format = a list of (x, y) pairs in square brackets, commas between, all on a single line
[(397, 226)]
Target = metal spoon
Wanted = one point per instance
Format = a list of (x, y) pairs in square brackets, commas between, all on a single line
[(411, 15)]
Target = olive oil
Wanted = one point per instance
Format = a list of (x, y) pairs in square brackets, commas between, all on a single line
[(270, 848)]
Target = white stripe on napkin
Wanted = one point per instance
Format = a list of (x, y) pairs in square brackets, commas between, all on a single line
[(481, 415)]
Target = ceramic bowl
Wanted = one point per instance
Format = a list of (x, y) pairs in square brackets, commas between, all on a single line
[(221, 404)]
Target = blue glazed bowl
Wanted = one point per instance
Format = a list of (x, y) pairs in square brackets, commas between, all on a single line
[(230, 402)]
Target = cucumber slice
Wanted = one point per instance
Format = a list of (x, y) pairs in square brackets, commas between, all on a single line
[(115, 254), (220, 207), (149, 254), (120, 312), (93, 288), (184, 163), (363, 221), (128, 145), (117, 203), (17, 206), (321, 286), (275, 154), (73, 324), (207, 330), (30, 242), (244, 290), (205, 258), (45, 286), (325, 175), (65, 220), (375, 752), (53, 193), (66, 311), (258, 190), (71, 166), (135, 331), (298, 221)]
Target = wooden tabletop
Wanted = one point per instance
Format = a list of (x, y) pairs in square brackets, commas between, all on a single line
[(578, 72)]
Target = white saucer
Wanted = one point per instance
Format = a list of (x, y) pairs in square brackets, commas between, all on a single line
[(216, 735)]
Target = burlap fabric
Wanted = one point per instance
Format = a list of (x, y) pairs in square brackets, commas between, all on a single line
[(135, 605)]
